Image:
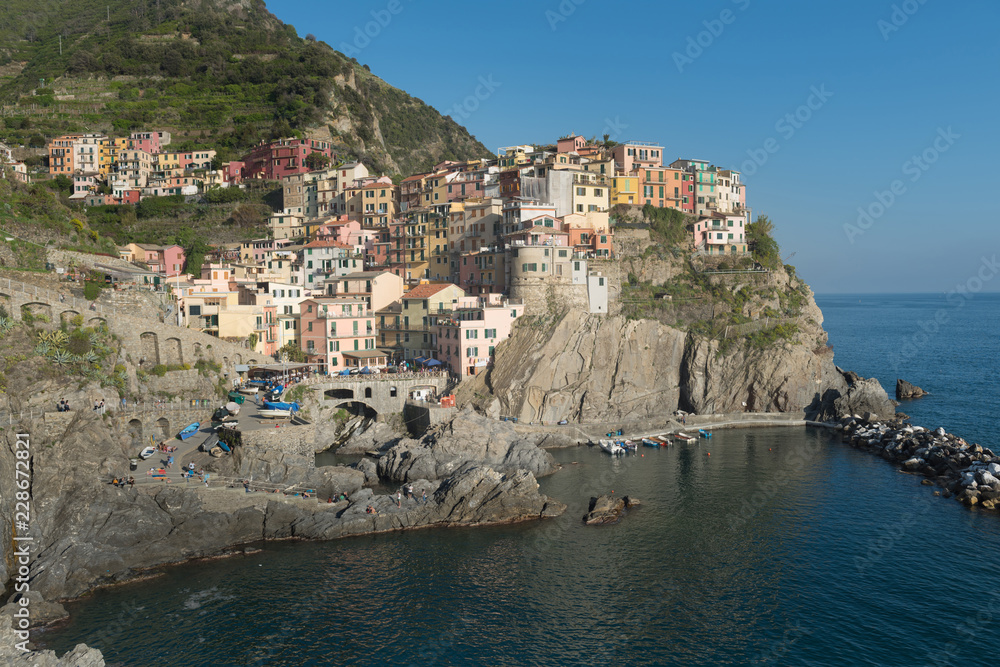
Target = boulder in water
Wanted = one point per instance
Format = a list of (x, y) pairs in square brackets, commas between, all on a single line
[(905, 390), (608, 509)]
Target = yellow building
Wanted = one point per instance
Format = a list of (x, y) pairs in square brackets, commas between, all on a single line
[(591, 192), (440, 266), (625, 190), (372, 204)]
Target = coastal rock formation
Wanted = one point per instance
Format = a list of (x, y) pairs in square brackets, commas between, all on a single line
[(89, 533), (609, 369), (10, 655), (469, 437), (608, 509), (905, 390), (864, 397), (970, 473)]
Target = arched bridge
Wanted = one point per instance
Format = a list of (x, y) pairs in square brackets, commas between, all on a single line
[(385, 393)]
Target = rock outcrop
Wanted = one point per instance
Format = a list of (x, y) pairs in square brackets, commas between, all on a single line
[(608, 509), (469, 437), (89, 533), (12, 656), (864, 397), (905, 390)]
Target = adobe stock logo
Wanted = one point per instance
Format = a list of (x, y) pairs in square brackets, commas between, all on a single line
[(363, 35), (915, 167)]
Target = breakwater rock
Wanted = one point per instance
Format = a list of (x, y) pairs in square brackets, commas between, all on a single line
[(969, 472), (608, 509), (905, 390)]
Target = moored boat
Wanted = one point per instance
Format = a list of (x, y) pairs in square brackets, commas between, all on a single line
[(146, 453), (611, 447), (704, 434), (188, 431), (683, 437), (249, 391), (275, 414), (649, 442), (275, 405)]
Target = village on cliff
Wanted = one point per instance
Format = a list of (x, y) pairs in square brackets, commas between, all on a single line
[(361, 271)]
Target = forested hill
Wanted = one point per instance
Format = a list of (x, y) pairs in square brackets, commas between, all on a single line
[(216, 73)]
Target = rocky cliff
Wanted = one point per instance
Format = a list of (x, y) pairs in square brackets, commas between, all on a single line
[(595, 368)]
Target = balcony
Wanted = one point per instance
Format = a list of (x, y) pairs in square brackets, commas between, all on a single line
[(329, 314)]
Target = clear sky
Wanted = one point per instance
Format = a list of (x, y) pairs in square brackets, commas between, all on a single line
[(826, 107)]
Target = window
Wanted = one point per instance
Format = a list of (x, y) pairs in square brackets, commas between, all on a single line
[(309, 327), (600, 282), (563, 253)]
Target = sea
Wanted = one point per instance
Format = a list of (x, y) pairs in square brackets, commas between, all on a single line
[(758, 546)]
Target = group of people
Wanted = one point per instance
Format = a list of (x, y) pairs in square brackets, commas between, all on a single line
[(62, 405), (408, 490), (99, 406), (120, 482), (337, 498)]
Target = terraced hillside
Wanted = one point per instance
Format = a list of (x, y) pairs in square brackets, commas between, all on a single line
[(216, 73)]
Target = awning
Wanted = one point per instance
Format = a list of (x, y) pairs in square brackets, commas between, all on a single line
[(433, 362), (364, 354), (419, 360), (290, 366)]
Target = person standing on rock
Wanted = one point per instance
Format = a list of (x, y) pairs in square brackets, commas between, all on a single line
[(425, 496), (399, 499)]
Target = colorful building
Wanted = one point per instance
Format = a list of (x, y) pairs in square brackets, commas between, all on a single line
[(467, 337), (339, 333)]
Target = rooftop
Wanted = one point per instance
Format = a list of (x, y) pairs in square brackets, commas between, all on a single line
[(428, 290)]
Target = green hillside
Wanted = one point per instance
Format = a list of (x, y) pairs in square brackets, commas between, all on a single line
[(221, 74)]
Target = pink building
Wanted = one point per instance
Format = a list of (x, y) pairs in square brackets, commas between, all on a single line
[(165, 260), (570, 144), (145, 141), (343, 231), (467, 338), (339, 333), (483, 272)]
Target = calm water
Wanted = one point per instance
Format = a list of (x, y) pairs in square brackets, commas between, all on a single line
[(781, 547), (891, 336)]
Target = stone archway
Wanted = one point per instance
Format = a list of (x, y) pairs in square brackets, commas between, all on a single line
[(135, 431), (163, 428), (38, 309), (149, 347), (172, 354), (359, 409), (67, 316), (96, 321), (339, 394), (238, 359)]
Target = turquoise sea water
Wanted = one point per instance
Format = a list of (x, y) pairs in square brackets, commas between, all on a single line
[(781, 547)]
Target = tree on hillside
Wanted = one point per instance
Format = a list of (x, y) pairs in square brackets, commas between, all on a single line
[(292, 352), (761, 242)]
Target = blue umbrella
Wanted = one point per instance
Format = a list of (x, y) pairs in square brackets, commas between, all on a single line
[(433, 362), (366, 371), (419, 360)]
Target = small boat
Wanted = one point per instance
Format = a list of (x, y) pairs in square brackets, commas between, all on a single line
[(630, 446), (237, 397), (611, 447), (146, 453), (649, 442), (683, 437), (704, 434), (210, 442), (188, 431), (271, 405), (275, 414), (249, 391)]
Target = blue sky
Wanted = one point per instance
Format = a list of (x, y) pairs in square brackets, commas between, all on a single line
[(822, 105)]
